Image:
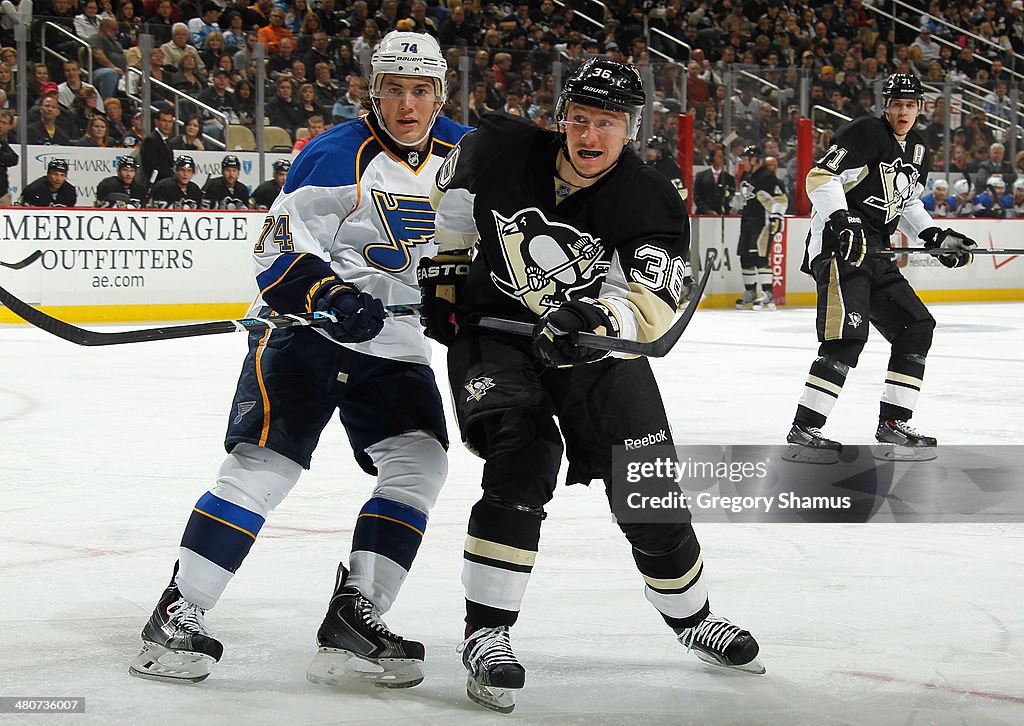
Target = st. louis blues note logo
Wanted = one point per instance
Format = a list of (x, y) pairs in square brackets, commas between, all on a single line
[(243, 408), (408, 221)]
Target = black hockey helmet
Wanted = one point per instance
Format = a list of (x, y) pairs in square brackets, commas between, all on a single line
[(282, 165), (752, 150), (185, 162), (57, 165), (659, 143), (606, 84), (902, 85), (230, 162), (127, 162)]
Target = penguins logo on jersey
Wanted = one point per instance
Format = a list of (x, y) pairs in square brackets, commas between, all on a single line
[(408, 221), (747, 191), (545, 261), (898, 182)]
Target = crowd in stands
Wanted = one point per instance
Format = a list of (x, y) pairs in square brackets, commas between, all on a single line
[(319, 50)]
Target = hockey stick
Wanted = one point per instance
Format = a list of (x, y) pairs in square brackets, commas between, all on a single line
[(81, 336), (940, 251), (654, 349), (24, 263)]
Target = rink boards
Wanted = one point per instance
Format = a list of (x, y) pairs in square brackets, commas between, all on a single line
[(159, 265)]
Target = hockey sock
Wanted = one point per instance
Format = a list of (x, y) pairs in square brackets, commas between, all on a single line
[(821, 391), (764, 277), (902, 386), (749, 278), (501, 547), (384, 545), (675, 582)]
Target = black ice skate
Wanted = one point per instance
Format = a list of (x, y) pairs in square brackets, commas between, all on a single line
[(494, 672), (808, 445), (354, 639), (747, 301), (718, 642), (900, 442), (176, 645)]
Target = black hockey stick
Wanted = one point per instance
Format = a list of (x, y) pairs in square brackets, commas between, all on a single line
[(940, 251), (24, 263), (654, 349), (81, 336)]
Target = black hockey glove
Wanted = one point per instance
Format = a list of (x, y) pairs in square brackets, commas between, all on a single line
[(844, 235), (554, 335), (775, 222), (360, 315), (960, 247), (441, 279)]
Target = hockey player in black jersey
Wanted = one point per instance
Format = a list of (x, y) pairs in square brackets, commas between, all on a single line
[(571, 231), (123, 190), (178, 191), (866, 185), (265, 194), (52, 190), (226, 192), (764, 203), (659, 155)]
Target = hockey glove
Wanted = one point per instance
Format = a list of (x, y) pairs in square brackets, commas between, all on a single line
[(775, 222), (844, 235), (360, 315), (554, 335), (960, 247), (441, 279)]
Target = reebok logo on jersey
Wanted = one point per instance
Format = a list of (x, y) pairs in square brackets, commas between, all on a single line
[(659, 437), (243, 408), (478, 388)]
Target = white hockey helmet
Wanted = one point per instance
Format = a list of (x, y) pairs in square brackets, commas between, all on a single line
[(941, 184), (996, 182), (961, 187), (402, 53), (1019, 184)]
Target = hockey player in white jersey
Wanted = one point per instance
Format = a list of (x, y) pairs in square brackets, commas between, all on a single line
[(344, 236)]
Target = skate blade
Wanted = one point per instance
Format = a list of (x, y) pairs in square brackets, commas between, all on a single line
[(502, 700), (755, 666), (337, 667), (157, 663), (808, 455), (895, 452)]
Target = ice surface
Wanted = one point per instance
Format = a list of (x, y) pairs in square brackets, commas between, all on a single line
[(105, 450)]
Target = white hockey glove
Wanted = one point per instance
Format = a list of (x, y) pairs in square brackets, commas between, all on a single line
[(959, 246)]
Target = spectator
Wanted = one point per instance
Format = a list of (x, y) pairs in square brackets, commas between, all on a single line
[(996, 164), (116, 125), (190, 137), (315, 126), (998, 103), (308, 106), (282, 110), (156, 157), (244, 58), (187, 79), (714, 187), (159, 24), (176, 48), (96, 134), (326, 88), (200, 28), (234, 33), (366, 43), (319, 52), (84, 109), (272, 34), (219, 98), (108, 58), (47, 130), (281, 62), (347, 64), (68, 90), (129, 25), (8, 156), (212, 51), (54, 189), (350, 105), (245, 103), (88, 22)]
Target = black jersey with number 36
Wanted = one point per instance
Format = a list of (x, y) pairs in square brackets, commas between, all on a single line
[(880, 175), (541, 242)]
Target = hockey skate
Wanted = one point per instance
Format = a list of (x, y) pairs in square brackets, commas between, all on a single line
[(494, 672), (176, 645), (766, 301), (747, 301), (900, 442), (718, 642), (807, 445), (356, 645)]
